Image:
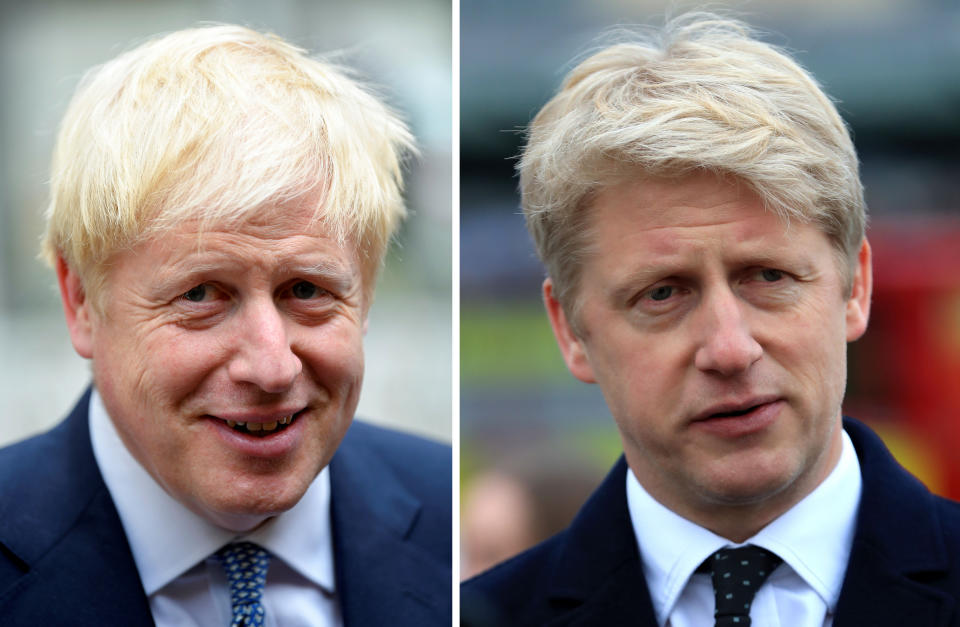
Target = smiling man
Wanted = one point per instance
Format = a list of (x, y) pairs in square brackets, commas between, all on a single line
[(220, 208), (696, 201)]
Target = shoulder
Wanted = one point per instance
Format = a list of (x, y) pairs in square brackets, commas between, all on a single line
[(396, 444), (900, 520), (420, 464), (23, 456), (950, 515), (48, 475), (59, 531), (577, 572), (391, 513), (514, 592)]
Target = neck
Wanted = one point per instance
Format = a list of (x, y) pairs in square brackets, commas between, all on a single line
[(740, 517)]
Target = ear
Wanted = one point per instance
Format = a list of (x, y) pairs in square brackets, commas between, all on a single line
[(571, 346), (858, 305), (76, 309)]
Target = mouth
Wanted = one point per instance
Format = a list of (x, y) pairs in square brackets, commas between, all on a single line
[(734, 413), (261, 428), (739, 419), (734, 409)]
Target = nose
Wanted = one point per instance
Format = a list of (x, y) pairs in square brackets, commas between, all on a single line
[(727, 346), (264, 354)]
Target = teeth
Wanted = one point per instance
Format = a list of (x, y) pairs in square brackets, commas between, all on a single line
[(260, 426)]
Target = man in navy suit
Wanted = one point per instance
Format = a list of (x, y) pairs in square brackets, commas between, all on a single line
[(696, 201), (220, 207)]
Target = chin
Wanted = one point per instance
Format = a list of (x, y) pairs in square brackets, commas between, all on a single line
[(748, 486), (249, 503)]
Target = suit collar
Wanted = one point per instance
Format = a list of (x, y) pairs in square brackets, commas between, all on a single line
[(598, 575), (382, 577), (898, 547)]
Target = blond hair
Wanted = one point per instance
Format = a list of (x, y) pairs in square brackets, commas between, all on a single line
[(703, 94), (215, 124)]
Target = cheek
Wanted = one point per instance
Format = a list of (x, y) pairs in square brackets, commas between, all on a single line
[(173, 363), (335, 353), (812, 348), (640, 375)]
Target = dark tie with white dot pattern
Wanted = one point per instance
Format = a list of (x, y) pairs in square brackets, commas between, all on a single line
[(737, 575)]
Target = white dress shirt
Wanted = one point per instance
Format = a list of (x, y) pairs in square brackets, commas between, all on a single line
[(173, 547), (813, 538)]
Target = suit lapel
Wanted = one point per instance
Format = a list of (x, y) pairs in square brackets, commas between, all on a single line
[(69, 539), (898, 548), (598, 577), (382, 577)]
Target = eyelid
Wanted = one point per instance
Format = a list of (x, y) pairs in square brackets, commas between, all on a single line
[(758, 271), (215, 293), (645, 295), (321, 290)]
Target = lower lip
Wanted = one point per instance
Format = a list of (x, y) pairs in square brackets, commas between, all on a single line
[(750, 423), (279, 444)]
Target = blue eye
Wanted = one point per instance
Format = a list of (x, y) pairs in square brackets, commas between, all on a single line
[(771, 275), (197, 294), (661, 293), (304, 290)]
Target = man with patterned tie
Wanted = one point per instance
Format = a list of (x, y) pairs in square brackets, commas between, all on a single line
[(220, 208), (696, 201)]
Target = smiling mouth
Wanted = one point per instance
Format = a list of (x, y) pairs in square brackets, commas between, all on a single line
[(262, 429)]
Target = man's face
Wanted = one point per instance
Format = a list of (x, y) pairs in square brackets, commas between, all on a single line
[(718, 336), (260, 325)]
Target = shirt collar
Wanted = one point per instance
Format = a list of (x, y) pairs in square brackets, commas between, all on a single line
[(817, 547), (167, 539)]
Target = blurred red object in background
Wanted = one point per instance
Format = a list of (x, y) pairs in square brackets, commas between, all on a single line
[(905, 372)]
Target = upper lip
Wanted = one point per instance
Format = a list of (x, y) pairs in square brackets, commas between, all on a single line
[(246, 416), (734, 405)]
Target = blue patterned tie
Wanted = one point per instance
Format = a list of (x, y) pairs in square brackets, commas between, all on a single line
[(246, 566)]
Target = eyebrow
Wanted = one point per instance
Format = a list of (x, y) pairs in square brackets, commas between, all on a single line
[(330, 270), (323, 267), (327, 269), (628, 284)]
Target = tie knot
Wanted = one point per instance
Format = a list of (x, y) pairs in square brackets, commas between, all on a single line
[(245, 565), (737, 574)]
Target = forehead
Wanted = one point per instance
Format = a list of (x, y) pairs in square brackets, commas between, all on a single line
[(667, 212), (270, 241), (678, 223)]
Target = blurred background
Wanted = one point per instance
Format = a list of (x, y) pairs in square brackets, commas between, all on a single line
[(402, 47), (894, 68)]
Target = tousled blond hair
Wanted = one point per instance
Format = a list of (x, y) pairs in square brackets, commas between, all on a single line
[(702, 94), (217, 124)]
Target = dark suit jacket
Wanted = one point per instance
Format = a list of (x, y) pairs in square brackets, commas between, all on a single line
[(64, 559), (904, 566)]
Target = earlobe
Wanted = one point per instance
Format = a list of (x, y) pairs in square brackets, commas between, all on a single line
[(76, 309), (858, 305), (571, 346)]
